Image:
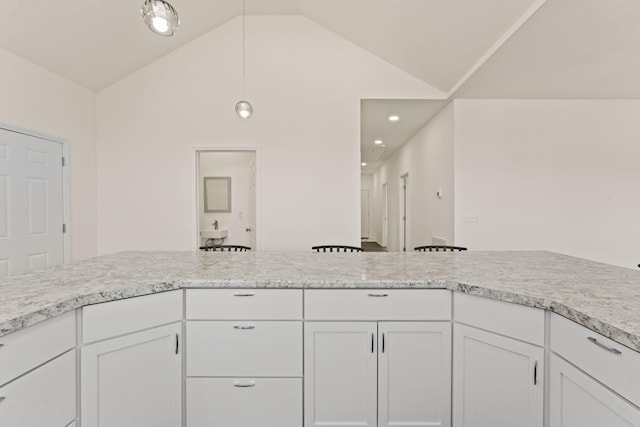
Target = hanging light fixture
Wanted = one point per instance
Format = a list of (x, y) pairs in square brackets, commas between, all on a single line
[(161, 17), (244, 109)]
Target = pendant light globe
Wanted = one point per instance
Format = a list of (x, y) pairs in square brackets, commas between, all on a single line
[(160, 17), (244, 109)]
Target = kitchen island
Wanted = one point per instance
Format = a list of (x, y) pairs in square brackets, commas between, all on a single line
[(486, 337)]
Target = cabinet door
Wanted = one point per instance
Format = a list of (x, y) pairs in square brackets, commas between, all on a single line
[(497, 381), (577, 400), (45, 396), (340, 374), (134, 380), (414, 374)]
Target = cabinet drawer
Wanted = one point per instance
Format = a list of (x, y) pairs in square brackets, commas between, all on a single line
[(244, 304), (505, 318), (224, 402), (241, 348), (377, 304), (32, 346), (115, 318), (611, 363), (44, 397)]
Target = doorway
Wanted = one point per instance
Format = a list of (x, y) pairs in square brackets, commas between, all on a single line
[(33, 199), (364, 214), (385, 212), (227, 194), (404, 212)]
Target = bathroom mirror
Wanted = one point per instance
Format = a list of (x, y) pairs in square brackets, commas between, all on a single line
[(217, 194)]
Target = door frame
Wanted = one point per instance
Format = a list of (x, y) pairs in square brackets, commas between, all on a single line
[(66, 200), (195, 242), (385, 215), (404, 208)]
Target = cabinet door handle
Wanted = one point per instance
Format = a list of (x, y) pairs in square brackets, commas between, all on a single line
[(378, 295), (244, 294), (2, 399), (249, 384), (177, 343), (243, 327), (535, 373), (383, 342), (599, 344), (372, 342)]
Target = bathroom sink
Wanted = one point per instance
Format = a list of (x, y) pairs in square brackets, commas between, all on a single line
[(214, 234)]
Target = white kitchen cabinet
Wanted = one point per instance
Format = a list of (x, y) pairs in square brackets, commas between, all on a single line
[(497, 381), (340, 374), (45, 396), (370, 373), (244, 402), (578, 400), (133, 380), (414, 371)]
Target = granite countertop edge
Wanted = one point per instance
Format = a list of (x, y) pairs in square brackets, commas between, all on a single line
[(616, 334)]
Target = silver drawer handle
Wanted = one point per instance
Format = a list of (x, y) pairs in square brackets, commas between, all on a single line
[(378, 295), (2, 399), (243, 327), (249, 384), (244, 294), (599, 344)]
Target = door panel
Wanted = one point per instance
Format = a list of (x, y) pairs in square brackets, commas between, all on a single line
[(497, 380), (31, 203), (577, 400), (414, 374), (133, 381), (340, 374)]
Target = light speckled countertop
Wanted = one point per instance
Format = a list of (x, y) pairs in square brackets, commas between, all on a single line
[(601, 297)]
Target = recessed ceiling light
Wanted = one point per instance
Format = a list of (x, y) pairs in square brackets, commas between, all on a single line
[(394, 118), (377, 142), (363, 164)]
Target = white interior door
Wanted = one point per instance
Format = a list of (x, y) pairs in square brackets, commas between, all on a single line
[(385, 213), (404, 212), (364, 214), (252, 204), (31, 203)]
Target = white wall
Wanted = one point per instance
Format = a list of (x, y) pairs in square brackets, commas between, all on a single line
[(558, 175), (428, 158), (305, 83), (34, 98), (237, 166)]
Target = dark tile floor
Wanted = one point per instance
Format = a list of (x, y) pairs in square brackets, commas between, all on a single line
[(372, 247)]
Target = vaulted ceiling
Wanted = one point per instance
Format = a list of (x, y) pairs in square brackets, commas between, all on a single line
[(465, 48)]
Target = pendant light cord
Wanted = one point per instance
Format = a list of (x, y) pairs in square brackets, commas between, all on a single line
[(243, 53)]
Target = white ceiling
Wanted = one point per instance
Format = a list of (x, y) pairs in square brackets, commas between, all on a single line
[(467, 48), (375, 124)]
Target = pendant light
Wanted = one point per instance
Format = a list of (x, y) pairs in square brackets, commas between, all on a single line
[(244, 109), (161, 17)]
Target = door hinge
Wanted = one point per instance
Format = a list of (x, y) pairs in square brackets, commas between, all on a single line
[(64, 162), (64, 228)]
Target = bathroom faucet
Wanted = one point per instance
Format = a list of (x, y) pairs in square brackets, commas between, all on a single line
[(215, 224)]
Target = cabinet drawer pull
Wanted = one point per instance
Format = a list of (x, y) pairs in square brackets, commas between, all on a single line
[(244, 294), (599, 344), (177, 343), (383, 342), (249, 384), (243, 327), (378, 295), (2, 399), (372, 342), (535, 373)]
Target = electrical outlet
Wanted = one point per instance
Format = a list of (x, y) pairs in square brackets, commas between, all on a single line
[(472, 218)]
